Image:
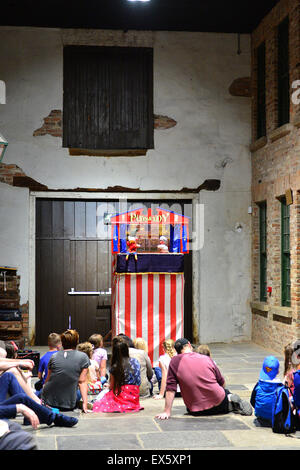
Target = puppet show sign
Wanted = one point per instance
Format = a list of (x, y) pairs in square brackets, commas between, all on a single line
[(160, 224)]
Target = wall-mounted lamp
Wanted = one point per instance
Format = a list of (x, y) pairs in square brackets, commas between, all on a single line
[(138, 0), (3, 145)]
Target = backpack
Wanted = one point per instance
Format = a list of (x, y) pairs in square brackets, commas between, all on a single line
[(283, 419)]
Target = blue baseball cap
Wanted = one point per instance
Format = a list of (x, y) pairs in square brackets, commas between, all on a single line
[(270, 368)]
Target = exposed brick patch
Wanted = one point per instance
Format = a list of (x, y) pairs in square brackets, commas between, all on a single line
[(14, 176), (163, 122), (52, 125), (241, 87), (21, 181), (8, 172)]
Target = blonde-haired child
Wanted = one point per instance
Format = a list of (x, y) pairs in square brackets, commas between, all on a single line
[(140, 352), (99, 353), (203, 349), (164, 361), (93, 376), (140, 343)]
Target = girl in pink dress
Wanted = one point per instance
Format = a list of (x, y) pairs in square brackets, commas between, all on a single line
[(124, 382)]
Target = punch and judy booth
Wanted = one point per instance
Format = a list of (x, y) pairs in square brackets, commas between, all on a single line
[(148, 275)]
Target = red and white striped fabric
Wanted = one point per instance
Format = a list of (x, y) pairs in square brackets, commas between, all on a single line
[(148, 306)]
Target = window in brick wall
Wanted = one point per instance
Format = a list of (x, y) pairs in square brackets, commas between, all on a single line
[(285, 254), (108, 98), (261, 90), (263, 250), (283, 79)]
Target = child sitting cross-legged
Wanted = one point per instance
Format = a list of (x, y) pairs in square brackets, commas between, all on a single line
[(264, 392)]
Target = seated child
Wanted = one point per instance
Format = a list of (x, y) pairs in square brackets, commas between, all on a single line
[(264, 392), (99, 353), (164, 362), (124, 381), (289, 368), (203, 349), (293, 376), (93, 376), (54, 344), (146, 386)]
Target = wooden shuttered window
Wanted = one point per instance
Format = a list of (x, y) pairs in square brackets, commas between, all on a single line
[(285, 254), (263, 250), (283, 79), (261, 90), (108, 98)]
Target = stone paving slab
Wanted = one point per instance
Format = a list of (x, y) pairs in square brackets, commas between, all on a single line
[(237, 387), (260, 439), (123, 441), (46, 443), (201, 423), (182, 440)]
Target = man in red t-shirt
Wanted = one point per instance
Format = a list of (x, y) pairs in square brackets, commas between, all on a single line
[(201, 384)]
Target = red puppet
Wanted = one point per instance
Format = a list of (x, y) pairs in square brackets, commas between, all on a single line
[(132, 247)]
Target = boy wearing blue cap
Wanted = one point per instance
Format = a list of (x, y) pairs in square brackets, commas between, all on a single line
[(264, 392)]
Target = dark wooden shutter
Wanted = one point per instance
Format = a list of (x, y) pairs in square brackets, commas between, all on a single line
[(108, 98), (261, 90), (283, 73)]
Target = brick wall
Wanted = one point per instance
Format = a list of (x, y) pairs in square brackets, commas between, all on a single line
[(8, 172), (275, 169)]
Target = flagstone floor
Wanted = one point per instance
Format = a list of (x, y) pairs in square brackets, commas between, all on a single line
[(240, 365)]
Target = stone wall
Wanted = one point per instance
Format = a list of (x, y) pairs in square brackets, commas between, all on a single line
[(276, 169)]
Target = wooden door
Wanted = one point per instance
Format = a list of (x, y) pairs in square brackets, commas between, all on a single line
[(73, 250)]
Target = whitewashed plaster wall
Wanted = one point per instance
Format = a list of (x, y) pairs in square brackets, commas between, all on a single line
[(14, 232), (192, 74)]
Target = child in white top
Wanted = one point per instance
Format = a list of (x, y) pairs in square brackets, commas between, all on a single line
[(164, 362), (93, 376), (99, 353)]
